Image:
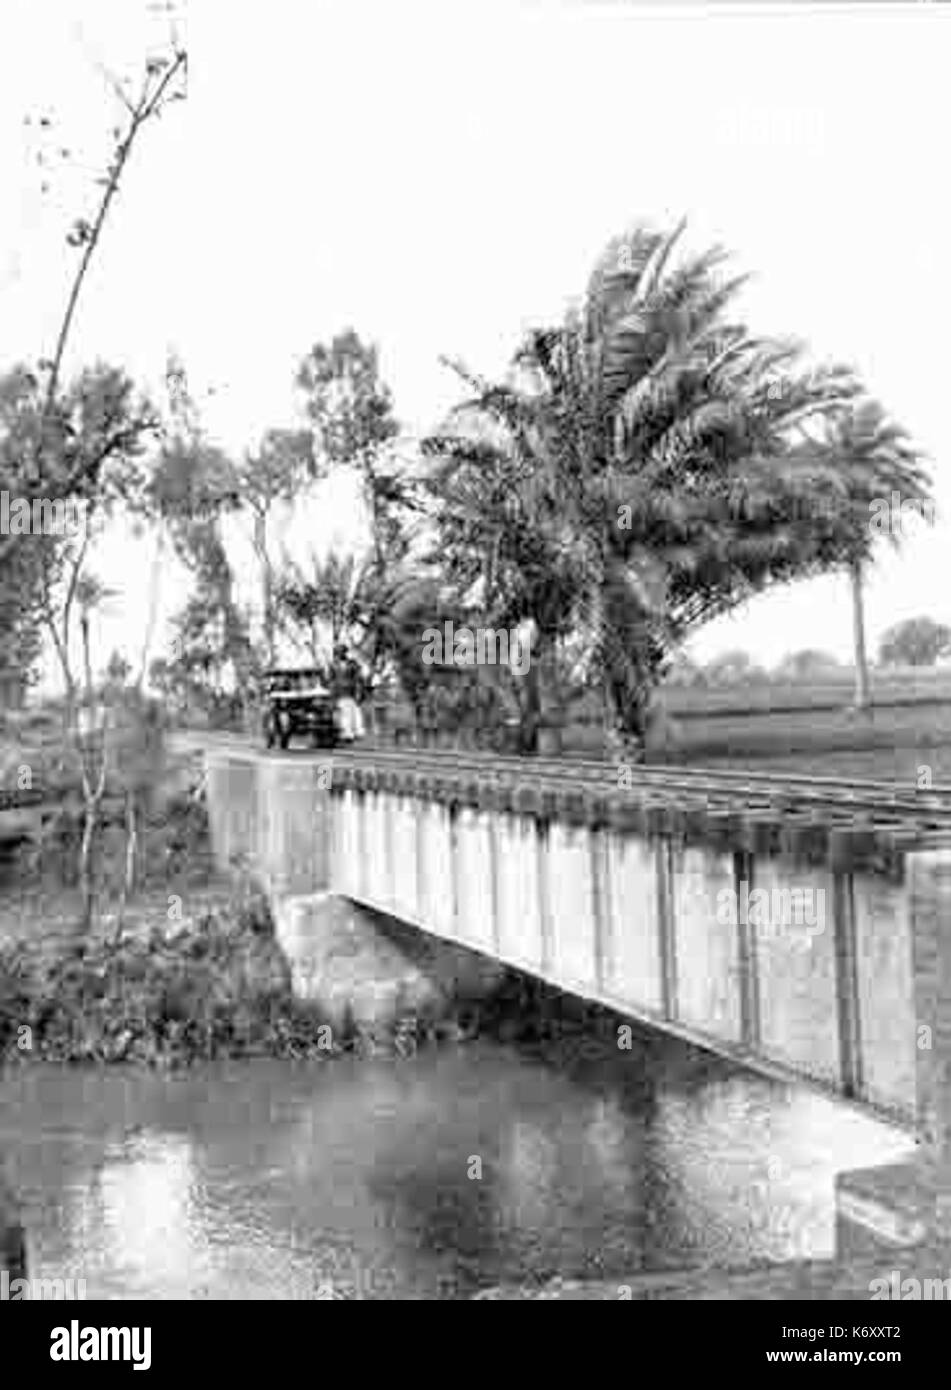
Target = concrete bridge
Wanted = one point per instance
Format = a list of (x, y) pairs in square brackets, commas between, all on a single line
[(795, 925)]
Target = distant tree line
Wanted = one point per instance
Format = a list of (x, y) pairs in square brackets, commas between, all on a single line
[(913, 642)]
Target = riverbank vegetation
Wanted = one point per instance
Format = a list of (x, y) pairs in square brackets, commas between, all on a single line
[(215, 986)]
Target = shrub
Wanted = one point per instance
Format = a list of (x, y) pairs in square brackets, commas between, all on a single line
[(216, 987)]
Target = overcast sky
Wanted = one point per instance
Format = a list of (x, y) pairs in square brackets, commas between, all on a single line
[(440, 175)]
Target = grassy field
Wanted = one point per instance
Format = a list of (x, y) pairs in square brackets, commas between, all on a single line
[(811, 728), (914, 686)]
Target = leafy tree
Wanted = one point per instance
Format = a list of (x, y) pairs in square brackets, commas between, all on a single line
[(194, 486), (326, 602), (102, 426), (914, 642), (647, 465), (732, 668), (366, 601), (81, 446), (808, 665), (400, 609), (351, 410), (381, 618), (93, 464), (275, 473), (20, 630), (212, 664), (685, 672), (78, 460), (189, 481)]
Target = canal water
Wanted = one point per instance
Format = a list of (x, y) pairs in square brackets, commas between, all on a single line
[(431, 1176)]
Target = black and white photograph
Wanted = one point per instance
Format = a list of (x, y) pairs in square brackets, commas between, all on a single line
[(475, 666)]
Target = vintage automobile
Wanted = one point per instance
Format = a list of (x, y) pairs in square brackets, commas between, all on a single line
[(297, 703)]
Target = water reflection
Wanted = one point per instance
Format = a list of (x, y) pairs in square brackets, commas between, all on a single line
[(357, 1178)]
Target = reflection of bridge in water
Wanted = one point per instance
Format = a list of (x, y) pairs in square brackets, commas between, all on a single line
[(22, 812), (636, 898), (11, 800)]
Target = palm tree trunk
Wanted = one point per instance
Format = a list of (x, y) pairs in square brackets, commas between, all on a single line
[(862, 700), (530, 722)]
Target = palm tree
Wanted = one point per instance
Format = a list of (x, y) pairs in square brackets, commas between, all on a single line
[(879, 461), (323, 599), (379, 614), (862, 698), (642, 469)]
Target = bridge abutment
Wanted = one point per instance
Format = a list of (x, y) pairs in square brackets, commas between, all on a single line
[(368, 974), (362, 969), (903, 1205), (272, 816)]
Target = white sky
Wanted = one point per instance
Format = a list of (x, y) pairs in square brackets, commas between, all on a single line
[(439, 175)]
